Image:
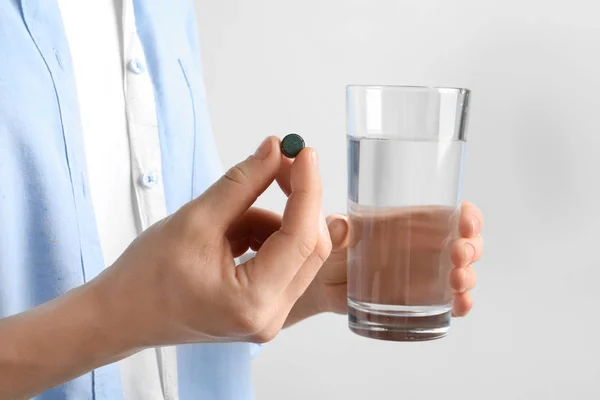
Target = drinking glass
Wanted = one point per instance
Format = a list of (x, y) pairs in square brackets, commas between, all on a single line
[(406, 148)]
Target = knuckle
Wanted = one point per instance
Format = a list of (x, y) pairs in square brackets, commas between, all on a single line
[(251, 317), (248, 321), (324, 250), (191, 218), (306, 246), (456, 279), (457, 253), (183, 229), (469, 304), (265, 335), (192, 226), (237, 175), (472, 278)]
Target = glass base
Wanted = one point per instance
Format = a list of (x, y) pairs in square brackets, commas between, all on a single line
[(399, 323)]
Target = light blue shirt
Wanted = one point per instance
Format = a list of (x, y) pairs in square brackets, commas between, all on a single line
[(48, 238)]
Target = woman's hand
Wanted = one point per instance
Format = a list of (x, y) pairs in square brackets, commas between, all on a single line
[(328, 292), (178, 282)]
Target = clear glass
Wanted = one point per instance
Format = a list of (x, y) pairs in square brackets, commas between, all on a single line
[(405, 161)]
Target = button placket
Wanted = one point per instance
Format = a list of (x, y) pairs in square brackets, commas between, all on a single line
[(143, 135), (136, 66), (146, 162), (150, 179)]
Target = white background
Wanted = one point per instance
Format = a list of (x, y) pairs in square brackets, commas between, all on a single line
[(274, 66)]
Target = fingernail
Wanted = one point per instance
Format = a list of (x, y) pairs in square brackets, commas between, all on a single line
[(264, 149), (314, 159), (469, 252)]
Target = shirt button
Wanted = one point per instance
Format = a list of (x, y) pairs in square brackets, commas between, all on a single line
[(136, 66), (150, 179)]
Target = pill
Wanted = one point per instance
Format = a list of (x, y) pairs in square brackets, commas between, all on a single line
[(291, 145)]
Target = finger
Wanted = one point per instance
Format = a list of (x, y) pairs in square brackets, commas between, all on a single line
[(283, 177), (462, 279), (308, 271), (239, 247), (255, 244), (461, 304), (306, 274), (254, 222), (239, 188), (356, 231), (466, 251), (283, 180), (339, 229), (471, 220), (324, 236), (311, 266), (252, 230), (284, 252), (338, 302)]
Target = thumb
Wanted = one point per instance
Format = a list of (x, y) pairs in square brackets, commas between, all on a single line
[(238, 189), (338, 230)]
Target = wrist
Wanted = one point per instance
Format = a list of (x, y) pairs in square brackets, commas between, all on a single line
[(114, 337), (57, 341)]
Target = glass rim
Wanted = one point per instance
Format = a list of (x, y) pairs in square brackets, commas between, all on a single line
[(414, 88)]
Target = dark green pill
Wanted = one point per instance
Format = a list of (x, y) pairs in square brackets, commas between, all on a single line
[(291, 145)]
